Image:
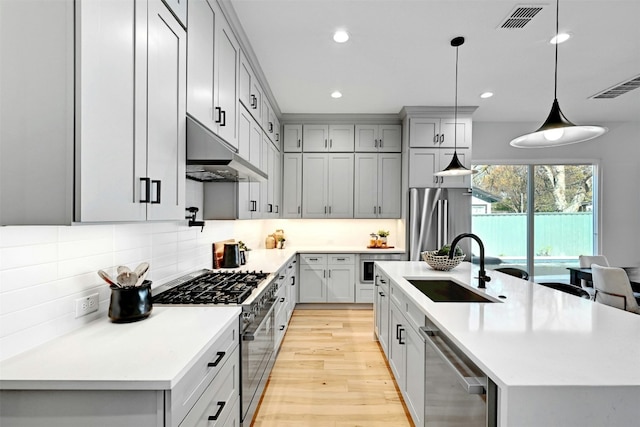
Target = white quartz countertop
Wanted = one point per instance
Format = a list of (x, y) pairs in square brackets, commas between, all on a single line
[(536, 336), (150, 354)]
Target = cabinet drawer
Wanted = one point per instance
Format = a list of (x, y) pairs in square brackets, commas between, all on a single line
[(220, 399), (397, 296), (191, 386), (313, 259), (341, 259)]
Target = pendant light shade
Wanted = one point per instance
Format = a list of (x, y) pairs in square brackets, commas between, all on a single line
[(557, 129), (455, 168)]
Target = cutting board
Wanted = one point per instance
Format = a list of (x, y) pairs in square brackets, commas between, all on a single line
[(217, 252)]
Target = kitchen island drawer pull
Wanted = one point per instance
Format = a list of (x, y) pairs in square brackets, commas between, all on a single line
[(282, 299), (282, 327), (293, 280), (223, 117), (219, 111), (215, 363), (254, 102), (473, 385), (220, 408), (400, 337)]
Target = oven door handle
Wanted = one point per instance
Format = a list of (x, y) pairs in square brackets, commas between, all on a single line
[(251, 336)]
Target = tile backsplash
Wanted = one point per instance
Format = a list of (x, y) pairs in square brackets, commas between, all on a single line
[(44, 269)]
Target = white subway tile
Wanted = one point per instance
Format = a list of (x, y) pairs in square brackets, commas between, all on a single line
[(78, 266), (85, 232), (27, 236), (22, 256), (82, 248), (24, 277)]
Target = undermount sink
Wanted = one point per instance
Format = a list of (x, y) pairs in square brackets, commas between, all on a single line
[(446, 291)]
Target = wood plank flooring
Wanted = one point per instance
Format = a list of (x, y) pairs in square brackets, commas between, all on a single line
[(331, 373)]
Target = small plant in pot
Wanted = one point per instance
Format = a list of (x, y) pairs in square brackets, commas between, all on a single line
[(243, 247), (383, 237)]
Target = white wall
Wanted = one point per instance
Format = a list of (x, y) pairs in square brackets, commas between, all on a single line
[(618, 155)]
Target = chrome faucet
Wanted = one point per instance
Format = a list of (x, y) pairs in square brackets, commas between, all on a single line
[(482, 277)]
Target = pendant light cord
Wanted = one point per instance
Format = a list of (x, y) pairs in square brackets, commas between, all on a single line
[(555, 85), (455, 109)]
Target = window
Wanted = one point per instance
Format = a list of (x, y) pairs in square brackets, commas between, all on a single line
[(539, 218)]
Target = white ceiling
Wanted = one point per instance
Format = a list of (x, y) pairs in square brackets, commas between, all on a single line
[(400, 55)]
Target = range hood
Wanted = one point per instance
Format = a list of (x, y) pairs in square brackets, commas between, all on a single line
[(210, 159)]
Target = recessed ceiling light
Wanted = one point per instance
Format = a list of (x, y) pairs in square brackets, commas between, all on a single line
[(336, 94), (486, 95), (340, 36), (560, 38)]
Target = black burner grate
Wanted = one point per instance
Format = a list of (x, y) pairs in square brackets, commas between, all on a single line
[(213, 288)]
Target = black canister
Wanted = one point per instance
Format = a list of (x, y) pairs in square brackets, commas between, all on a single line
[(131, 303), (231, 256)]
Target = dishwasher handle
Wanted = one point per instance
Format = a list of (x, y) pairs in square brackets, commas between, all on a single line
[(473, 385)]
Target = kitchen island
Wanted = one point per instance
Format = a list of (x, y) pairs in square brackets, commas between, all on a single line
[(556, 359)]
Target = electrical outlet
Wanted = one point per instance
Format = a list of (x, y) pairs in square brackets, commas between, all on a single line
[(86, 305)]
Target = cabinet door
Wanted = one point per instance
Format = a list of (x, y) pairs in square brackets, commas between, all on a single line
[(315, 138), (424, 132), (341, 283), (366, 138), (166, 111), (314, 185), (390, 138), (111, 154), (340, 183), (312, 283), (244, 134), (414, 373), (341, 138), (389, 185), (423, 164), (462, 134), (366, 185), (226, 94), (464, 181), (384, 320), (292, 186), (292, 138), (245, 77), (277, 184), (200, 62), (397, 345), (266, 186)]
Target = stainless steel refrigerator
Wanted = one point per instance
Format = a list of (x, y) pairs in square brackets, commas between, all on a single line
[(436, 217)]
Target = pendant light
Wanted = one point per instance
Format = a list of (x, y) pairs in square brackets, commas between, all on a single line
[(557, 129), (455, 168)]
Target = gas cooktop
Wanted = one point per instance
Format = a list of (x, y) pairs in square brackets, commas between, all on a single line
[(210, 287)]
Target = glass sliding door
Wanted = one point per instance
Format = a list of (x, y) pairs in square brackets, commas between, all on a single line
[(538, 218)]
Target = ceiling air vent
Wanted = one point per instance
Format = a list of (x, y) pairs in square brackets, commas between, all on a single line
[(619, 89), (520, 16)]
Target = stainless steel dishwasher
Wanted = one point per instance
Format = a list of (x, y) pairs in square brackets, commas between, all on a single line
[(457, 392)]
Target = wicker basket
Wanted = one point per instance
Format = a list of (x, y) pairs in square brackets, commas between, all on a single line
[(441, 262)]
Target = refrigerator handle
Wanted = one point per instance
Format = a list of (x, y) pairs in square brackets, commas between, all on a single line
[(440, 223), (445, 222)]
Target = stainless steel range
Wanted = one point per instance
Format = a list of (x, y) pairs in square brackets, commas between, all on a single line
[(256, 296)]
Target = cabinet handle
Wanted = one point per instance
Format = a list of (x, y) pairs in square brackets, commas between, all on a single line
[(298, 209), (277, 209), (435, 179), (282, 299), (293, 280), (223, 115), (383, 281), (219, 111), (374, 209), (282, 327), (329, 273), (400, 337), (379, 210), (270, 127), (380, 142), (220, 355), (299, 142), (398, 326), (381, 294), (375, 143), (254, 102), (329, 209), (330, 143), (313, 259), (441, 138), (324, 274), (253, 207), (277, 137), (269, 207), (147, 190), (220, 408), (436, 137), (442, 180), (325, 210), (341, 259), (157, 183)]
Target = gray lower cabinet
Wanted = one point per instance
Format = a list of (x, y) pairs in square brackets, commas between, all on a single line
[(208, 394), (108, 141), (327, 278), (381, 309)]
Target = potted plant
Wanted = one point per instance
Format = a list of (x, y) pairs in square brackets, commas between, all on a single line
[(243, 248), (383, 236)]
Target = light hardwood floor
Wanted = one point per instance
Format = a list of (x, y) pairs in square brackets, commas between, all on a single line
[(331, 372)]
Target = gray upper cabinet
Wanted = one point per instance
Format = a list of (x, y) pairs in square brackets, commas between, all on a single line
[(327, 185), (377, 185), (378, 138), (331, 138), (250, 89), (292, 139), (212, 80), (292, 185), (124, 160), (425, 132)]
